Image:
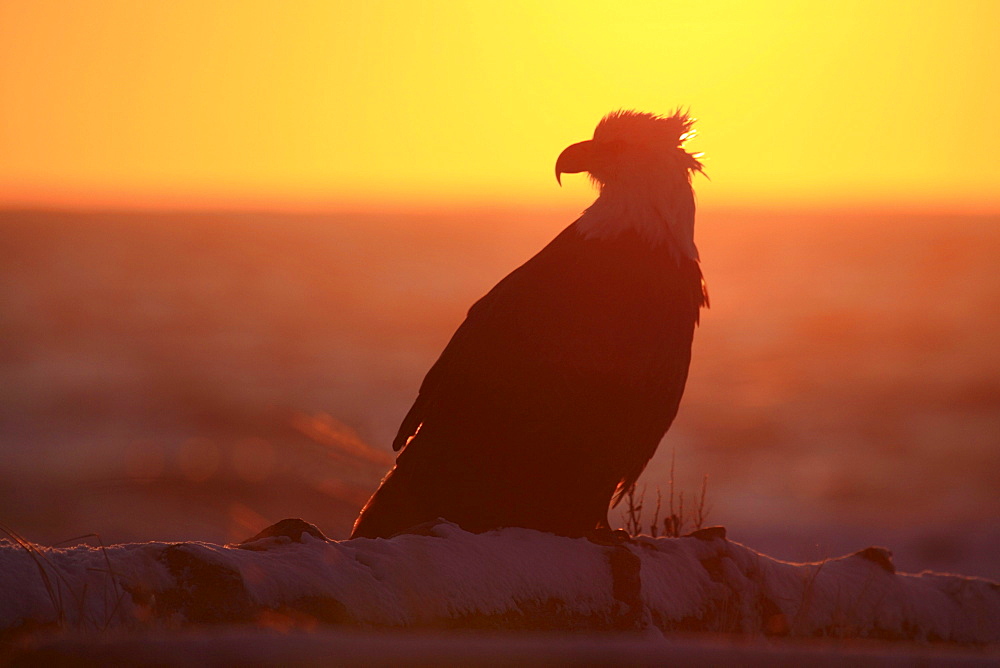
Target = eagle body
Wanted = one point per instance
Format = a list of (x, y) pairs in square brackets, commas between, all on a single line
[(555, 391)]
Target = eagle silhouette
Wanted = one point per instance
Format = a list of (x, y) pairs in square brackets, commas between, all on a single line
[(555, 391)]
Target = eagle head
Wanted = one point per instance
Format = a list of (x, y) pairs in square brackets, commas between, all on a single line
[(628, 144), (638, 162)]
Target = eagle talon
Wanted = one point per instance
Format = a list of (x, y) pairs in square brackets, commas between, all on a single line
[(610, 537)]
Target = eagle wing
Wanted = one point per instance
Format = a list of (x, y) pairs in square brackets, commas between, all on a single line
[(549, 324), (514, 319)]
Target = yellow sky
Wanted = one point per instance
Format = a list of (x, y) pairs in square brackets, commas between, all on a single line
[(368, 104)]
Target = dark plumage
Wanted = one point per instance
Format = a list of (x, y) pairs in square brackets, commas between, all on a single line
[(556, 390)]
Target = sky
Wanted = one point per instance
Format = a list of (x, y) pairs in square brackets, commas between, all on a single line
[(382, 105)]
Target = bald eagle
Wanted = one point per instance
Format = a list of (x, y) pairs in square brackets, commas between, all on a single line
[(555, 391)]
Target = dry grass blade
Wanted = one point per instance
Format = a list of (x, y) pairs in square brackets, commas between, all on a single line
[(677, 518), (118, 592), (54, 592)]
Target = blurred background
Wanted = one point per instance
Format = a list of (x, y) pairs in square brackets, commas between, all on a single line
[(235, 235)]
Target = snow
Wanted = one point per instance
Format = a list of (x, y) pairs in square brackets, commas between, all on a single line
[(501, 580)]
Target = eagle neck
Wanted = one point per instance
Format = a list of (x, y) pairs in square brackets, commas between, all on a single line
[(667, 218)]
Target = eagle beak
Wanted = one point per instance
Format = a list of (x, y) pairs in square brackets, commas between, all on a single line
[(576, 158)]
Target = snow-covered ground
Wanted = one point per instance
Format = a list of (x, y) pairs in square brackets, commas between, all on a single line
[(340, 595)]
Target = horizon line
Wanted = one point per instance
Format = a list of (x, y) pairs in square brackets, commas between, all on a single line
[(481, 207)]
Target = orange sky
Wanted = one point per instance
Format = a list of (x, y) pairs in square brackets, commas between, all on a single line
[(349, 104)]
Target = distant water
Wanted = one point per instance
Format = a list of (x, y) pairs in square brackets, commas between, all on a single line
[(182, 376)]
